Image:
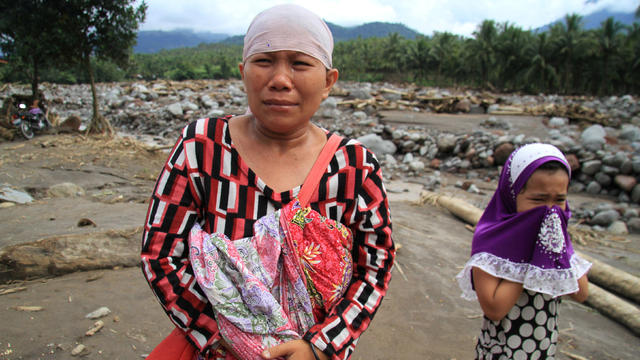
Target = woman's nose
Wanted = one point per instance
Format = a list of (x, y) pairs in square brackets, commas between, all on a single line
[(282, 77)]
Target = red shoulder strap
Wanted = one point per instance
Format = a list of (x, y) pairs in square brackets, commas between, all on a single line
[(319, 167)]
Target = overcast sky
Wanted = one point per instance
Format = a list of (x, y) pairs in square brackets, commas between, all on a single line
[(425, 16)]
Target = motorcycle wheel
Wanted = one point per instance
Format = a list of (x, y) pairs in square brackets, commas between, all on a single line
[(26, 130)]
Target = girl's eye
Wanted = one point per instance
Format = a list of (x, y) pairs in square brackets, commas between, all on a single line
[(301, 63)]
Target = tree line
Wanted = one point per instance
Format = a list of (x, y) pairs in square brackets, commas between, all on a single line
[(43, 39), (565, 59)]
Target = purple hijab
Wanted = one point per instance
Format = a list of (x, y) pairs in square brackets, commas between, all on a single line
[(531, 247)]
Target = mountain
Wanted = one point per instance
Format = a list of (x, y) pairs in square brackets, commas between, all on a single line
[(150, 41), (594, 20), (154, 41), (373, 29)]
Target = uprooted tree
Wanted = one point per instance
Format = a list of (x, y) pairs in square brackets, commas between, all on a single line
[(102, 29)]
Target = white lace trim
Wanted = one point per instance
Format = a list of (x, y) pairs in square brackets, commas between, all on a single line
[(555, 282)]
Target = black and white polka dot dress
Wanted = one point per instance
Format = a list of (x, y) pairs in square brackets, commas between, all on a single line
[(529, 331)]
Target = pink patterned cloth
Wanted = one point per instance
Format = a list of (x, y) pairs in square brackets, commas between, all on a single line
[(272, 287)]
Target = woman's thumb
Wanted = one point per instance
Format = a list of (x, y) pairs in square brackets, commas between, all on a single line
[(274, 352)]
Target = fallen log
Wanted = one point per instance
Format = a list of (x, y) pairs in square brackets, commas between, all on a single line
[(613, 279), (614, 307)]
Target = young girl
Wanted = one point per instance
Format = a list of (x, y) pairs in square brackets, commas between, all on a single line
[(522, 259)]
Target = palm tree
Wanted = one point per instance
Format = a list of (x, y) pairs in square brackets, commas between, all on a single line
[(419, 57), (631, 58), (609, 45), (512, 47), (484, 48), (568, 37), (443, 52), (541, 75)]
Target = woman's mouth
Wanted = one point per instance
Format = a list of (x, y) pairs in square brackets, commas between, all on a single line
[(279, 105)]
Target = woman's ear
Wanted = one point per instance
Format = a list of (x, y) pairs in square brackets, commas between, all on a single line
[(241, 68), (331, 79)]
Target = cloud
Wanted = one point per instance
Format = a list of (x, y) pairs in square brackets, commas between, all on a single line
[(456, 16)]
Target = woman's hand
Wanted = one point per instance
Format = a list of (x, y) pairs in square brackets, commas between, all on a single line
[(293, 350)]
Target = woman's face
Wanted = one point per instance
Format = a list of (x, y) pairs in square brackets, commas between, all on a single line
[(285, 88), (544, 187)]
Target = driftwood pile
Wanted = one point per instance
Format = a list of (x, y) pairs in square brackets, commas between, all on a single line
[(613, 292), (464, 103)]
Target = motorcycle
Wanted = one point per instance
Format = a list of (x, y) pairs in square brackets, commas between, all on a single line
[(29, 121)]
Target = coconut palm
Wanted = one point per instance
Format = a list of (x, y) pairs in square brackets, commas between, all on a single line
[(568, 38), (610, 42), (541, 74)]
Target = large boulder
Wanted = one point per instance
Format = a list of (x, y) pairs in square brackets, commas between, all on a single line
[(593, 137), (377, 144)]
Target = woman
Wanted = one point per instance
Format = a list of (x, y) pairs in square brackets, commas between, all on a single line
[(227, 173)]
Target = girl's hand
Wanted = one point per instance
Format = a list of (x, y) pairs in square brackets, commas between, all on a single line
[(495, 295), (293, 350), (583, 289)]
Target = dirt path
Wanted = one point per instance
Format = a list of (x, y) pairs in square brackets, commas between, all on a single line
[(422, 317)]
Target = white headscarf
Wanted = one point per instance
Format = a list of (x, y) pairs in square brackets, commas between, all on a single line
[(289, 27)]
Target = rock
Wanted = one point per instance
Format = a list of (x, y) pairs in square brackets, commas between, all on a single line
[(618, 228), (593, 137), (635, 194), (14, 196), (407, 158), (558, 122), (175, 109), (98, 313), (502, 152), (576, 187), (603, 179), (78, 350), (627, 167), (629, 132), (390, 160), (446, 143), (633, 225), (70, 124), (360, 93), (416, 165), (625, 182), (591, 167), (573, 161), (462, 106), (189, 106), (377, 144), (473, 189), (630, 213), (208, 102), (605, 218), (65, 190), (435, 164)]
